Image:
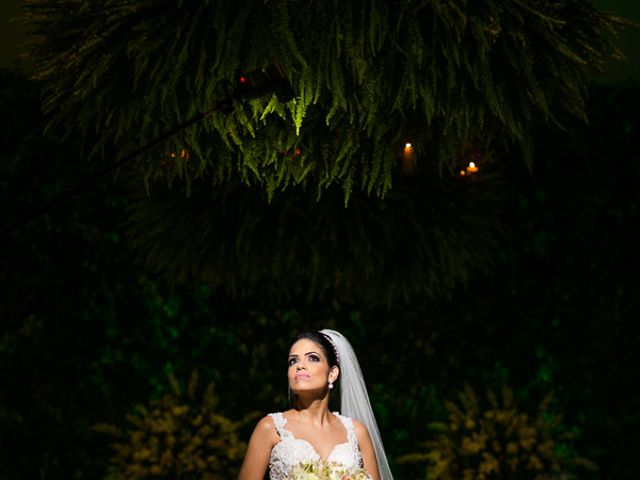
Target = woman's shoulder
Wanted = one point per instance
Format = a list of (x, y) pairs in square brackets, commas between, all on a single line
[(350, 419), (359, 428), (266, 430), (267, 423), (272, 420)]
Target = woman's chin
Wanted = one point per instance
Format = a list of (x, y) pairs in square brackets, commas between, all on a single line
[(308, 390)]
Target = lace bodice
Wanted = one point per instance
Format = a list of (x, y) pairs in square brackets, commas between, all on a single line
[(291, 451)]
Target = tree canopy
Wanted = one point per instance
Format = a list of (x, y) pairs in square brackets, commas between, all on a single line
[(459, 80), (368, 75)]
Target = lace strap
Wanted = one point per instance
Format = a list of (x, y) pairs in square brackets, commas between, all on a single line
[(279, 422), (352, 438), (351, 432)]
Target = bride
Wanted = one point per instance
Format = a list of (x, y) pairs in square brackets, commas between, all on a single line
[(320, 364)]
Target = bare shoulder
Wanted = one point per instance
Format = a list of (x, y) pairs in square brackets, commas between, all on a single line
[(256, 460), (266, 423), (266, 429), (361, 431), (367, 449)]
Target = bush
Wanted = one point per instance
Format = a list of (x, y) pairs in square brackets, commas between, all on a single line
[(498, 441), (178, 437)]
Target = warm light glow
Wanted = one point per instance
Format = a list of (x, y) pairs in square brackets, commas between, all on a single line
[(243, 80), (408, 149), (408, 163), (462, 173), (472, 167), (184, 154)]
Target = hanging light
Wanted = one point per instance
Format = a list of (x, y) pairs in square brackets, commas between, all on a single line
[(408, 165)]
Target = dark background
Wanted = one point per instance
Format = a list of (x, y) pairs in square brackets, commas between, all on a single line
[(88, 331)]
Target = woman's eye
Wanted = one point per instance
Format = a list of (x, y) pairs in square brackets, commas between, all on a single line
[(292, 361), (314, 358)]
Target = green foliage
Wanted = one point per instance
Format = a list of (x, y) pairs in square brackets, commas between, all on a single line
[(87, 332), (498, 441), (178, 436), (369, 75), (426, 237)]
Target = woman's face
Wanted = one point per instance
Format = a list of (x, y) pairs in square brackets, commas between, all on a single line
[(308, 367)]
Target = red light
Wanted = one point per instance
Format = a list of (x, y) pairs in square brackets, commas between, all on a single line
[(243, 80)]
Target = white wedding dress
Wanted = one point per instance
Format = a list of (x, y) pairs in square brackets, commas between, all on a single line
[(291, 451)]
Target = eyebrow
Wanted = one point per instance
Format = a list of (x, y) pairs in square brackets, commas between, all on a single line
[(294, 355)]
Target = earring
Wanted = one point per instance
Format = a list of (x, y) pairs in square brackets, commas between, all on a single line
[(330, 385)]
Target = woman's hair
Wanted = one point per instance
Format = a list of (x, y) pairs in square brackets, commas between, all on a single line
[(328, 348)]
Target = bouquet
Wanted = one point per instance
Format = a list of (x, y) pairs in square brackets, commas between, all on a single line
[(327, 471)]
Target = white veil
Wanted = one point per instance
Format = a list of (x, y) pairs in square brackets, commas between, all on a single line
[(354, 400)]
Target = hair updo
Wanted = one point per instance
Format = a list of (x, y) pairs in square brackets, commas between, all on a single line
[(325, 344)]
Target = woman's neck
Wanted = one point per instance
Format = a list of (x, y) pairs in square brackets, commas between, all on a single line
[(313, 411)]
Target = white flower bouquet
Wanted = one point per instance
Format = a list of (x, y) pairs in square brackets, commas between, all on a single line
[(327, 471)]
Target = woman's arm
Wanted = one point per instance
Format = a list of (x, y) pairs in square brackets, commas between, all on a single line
[(366, 448), (256, 460)]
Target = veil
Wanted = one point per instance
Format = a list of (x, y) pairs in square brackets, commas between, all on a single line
[(354, 400)]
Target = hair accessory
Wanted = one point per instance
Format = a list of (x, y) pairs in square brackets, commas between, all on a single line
[(333, 344)]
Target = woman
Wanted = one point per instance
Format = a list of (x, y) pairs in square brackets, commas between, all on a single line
[(309, 432)]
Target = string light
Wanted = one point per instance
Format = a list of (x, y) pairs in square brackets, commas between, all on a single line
[(472, 168)]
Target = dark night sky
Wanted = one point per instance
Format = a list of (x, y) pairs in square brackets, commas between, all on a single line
[(10, 33)]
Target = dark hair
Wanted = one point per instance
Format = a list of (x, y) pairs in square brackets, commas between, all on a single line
[(324, 342)]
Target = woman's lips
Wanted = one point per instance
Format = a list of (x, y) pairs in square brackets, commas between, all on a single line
[(302, 377)]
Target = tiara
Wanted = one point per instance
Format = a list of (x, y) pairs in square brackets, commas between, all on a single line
[(335, 350)]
